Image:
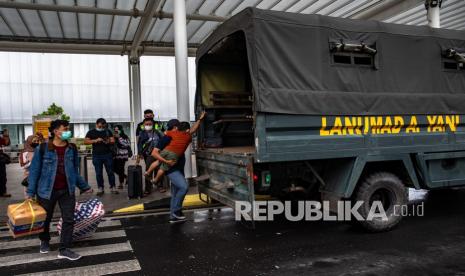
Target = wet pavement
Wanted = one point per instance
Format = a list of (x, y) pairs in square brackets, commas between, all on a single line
[(212, 243)]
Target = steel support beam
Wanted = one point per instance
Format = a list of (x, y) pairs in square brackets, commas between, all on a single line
[(135, 99), (387, 9), (433, 8), (182, 81), (103, 11), (70, 48), (144, 25)]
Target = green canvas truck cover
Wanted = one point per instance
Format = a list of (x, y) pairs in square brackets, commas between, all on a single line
[(292, 71)]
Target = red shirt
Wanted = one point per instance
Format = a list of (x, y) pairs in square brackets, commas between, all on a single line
[(180, 140), (60, 178)]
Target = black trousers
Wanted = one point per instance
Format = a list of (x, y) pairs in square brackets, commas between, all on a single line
[(119, 169), (2, 178), (67, 204)]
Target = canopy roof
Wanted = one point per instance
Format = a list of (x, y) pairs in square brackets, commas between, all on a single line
[(114, 26)]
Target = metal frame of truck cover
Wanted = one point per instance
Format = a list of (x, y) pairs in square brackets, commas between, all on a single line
[(406, 106)]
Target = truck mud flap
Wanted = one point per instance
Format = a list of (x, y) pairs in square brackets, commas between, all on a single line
[(227, 178)]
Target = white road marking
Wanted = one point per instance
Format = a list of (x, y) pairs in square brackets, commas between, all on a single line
[(83, 251), (94, 270), (55, 240), (53, 229)]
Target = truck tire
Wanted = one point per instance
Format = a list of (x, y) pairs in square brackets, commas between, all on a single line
[(384, 187)]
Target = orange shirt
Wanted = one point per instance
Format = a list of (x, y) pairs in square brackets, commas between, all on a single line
[(180, 140)]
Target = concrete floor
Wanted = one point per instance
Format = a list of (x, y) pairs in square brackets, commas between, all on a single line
[(111, 202)]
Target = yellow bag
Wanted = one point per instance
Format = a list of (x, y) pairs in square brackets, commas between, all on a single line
[(26, 218)]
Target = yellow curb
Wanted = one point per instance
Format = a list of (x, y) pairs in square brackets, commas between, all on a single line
[(189, 201)]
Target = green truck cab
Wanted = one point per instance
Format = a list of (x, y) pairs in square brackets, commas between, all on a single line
[(345, 109)]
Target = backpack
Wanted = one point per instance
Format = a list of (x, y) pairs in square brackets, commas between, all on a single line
[(148, 146)]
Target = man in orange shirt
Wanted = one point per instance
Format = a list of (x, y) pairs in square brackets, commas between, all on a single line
[(180, 140)]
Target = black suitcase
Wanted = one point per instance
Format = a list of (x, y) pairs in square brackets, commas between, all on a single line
[(134, 181)]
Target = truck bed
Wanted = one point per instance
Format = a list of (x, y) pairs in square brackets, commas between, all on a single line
[(247, 150)]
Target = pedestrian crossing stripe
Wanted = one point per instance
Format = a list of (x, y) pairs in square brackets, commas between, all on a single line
[(94, 270), (109, 251), (53, 229), (51, 256), (56, 240)]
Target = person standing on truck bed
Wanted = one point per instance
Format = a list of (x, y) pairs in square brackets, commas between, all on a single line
[(147, 141), (179, 186)]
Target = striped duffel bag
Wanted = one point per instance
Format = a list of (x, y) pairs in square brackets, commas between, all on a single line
[(87, 216)]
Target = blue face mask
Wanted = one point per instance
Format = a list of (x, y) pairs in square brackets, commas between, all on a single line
[(66, 135)]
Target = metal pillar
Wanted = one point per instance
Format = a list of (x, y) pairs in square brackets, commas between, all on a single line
[(182, 82), (433, 13), (134, 97)]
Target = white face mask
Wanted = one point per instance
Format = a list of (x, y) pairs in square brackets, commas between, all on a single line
[(148, 128)]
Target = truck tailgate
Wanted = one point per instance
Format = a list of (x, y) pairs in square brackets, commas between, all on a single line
[(228, 174)]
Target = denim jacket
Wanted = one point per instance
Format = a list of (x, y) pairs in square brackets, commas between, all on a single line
[(43, 169)]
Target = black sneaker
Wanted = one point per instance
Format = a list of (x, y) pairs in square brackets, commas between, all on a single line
[(179, 215), (177, 220), (68, 254), (44, 247)]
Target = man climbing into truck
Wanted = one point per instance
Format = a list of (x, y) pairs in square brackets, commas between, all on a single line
[(181, 137)]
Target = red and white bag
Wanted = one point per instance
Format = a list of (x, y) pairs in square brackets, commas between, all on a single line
[(87, 216)]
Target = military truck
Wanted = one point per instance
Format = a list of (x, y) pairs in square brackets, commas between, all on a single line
[(349, 109)]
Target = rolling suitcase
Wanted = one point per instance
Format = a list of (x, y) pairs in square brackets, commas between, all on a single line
[(134, 181)]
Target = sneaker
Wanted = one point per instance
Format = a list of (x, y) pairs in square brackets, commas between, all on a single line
[(179, 215), (120, 187), (44, 247), (68, 254), (114, 191), (177, 220), (100, 192)]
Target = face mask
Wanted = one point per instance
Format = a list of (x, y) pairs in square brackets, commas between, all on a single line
[(148, 128), (34, 145), (100, 129), (65, 135)]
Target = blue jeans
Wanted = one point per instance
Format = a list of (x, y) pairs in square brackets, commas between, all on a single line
[(103, 160), (179, 189)]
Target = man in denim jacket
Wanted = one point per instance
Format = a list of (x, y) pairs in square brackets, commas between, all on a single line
[(53, 177)]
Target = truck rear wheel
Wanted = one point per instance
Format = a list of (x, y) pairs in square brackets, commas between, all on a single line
[(389, 190)]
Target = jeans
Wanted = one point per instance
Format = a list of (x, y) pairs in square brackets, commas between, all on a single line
[(179, 189), (2, 178), (67, 204), (104, 160)]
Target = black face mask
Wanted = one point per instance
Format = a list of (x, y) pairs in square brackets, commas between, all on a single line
[(34, 145)]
